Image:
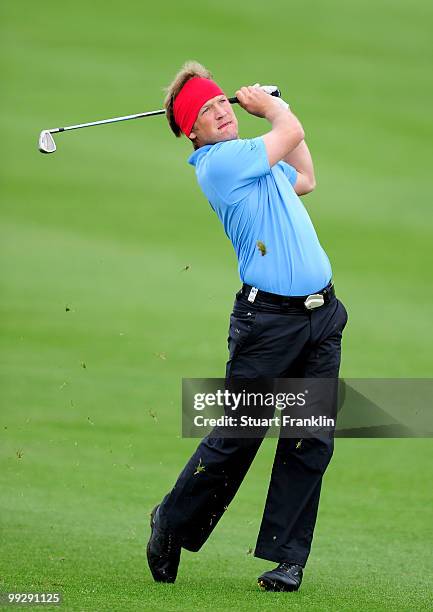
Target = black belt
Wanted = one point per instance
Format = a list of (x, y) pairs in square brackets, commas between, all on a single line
[(314, 300)]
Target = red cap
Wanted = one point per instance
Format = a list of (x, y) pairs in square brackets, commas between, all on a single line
[(196, 92)]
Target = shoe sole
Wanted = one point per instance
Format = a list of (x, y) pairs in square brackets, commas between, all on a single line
[(266, 584), (152, 517)]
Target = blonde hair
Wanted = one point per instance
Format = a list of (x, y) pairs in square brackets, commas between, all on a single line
[(188, 71)]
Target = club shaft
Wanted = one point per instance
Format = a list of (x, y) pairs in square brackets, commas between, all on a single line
[(116, 119), (233, 100), (102, 121)]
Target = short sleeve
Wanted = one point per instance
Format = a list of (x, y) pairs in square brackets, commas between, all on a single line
[(290, 172), (235, 166)]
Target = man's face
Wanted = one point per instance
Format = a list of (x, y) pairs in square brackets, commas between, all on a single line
[(216, 122)]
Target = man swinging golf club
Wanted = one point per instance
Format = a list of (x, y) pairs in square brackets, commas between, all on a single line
[(286, 322)]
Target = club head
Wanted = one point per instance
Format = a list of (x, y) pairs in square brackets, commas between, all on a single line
[(46, 142)]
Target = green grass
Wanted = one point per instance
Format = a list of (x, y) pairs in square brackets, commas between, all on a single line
[(94, 243)]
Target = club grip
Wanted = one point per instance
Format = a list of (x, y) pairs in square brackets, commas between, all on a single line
[(276, 93)]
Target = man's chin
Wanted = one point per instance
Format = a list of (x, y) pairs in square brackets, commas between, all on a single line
[(230, 137), (227, 136), (221, 138)]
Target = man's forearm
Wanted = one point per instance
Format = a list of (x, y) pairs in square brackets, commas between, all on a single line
[(300, 158), (286, 134)]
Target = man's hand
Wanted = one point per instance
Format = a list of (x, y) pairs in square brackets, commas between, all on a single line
[(258, 103), (286, 133), (269, 89)]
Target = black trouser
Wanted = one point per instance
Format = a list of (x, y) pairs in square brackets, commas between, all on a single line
[(264, 341)]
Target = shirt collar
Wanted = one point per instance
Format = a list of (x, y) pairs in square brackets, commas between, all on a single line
[(193, 159)]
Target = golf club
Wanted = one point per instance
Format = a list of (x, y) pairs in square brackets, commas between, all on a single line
[(46, 142)]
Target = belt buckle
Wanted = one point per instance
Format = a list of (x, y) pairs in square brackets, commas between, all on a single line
[(252, 294), (315, 300)]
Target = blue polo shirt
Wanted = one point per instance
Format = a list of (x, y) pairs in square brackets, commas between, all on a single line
[(257, 203)]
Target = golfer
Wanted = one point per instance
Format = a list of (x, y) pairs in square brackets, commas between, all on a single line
[(286, 322)]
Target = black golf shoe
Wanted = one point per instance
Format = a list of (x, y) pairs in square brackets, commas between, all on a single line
[(285, 577), (163, 551)]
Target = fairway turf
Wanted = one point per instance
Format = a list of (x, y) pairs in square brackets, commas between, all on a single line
[(117, 281)]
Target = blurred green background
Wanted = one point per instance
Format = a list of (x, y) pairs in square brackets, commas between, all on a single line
[(100, 320)]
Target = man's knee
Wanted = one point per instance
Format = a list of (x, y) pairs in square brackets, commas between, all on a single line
[(314, 453)]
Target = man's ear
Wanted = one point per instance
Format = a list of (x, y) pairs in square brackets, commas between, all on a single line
[(193, 135)]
